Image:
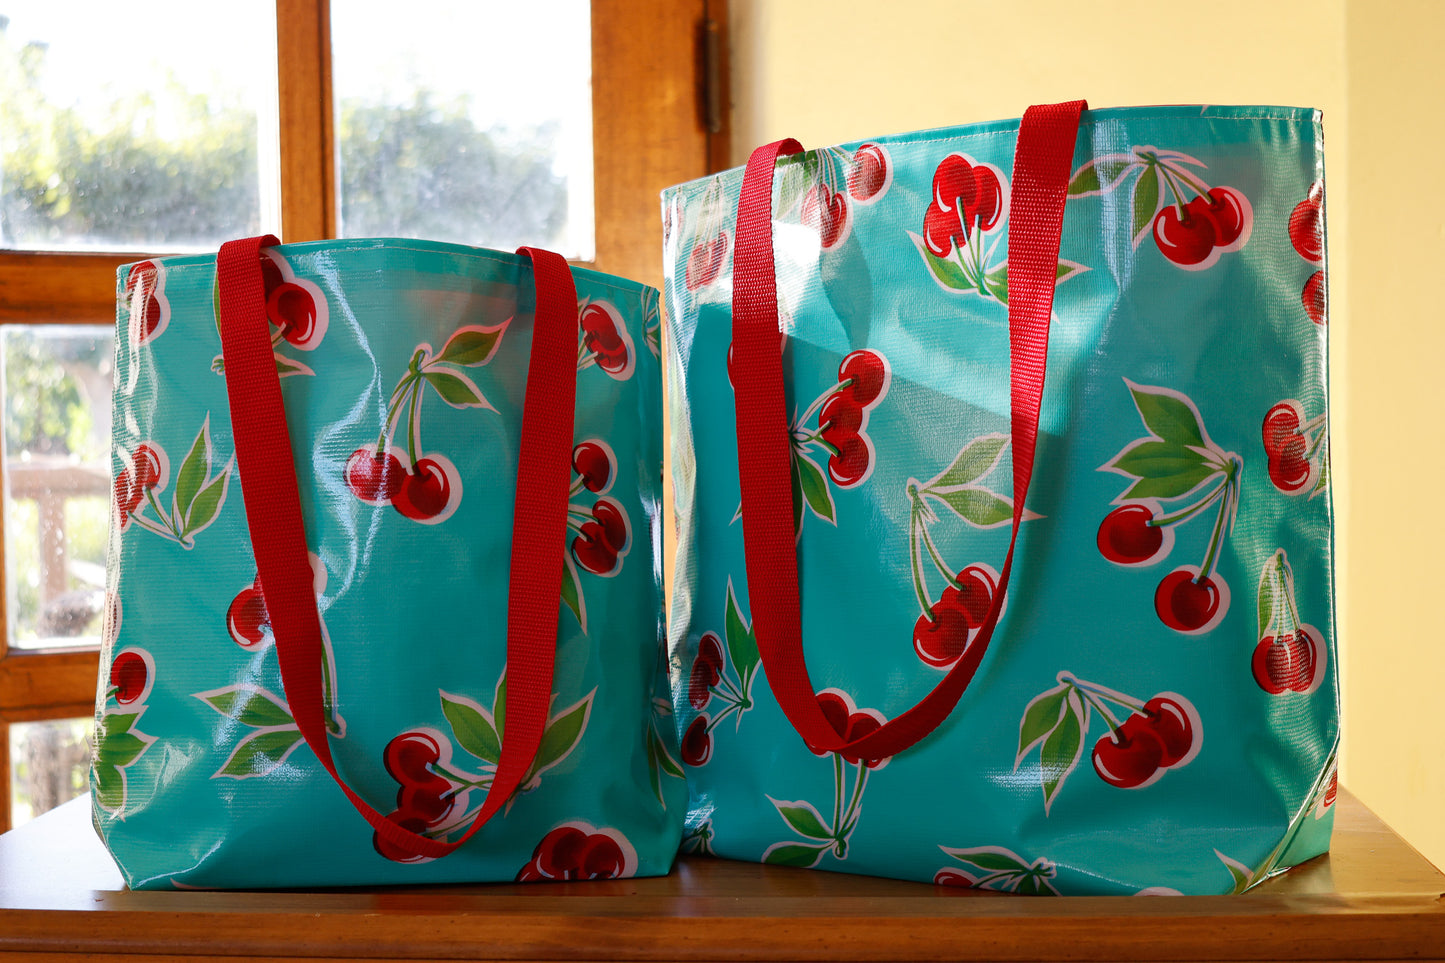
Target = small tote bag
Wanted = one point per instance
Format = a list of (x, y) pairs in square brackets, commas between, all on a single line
[(383, 572), (1001, 465)]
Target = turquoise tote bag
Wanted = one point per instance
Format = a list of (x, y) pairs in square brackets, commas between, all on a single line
[(1001, 464), (384, 572)]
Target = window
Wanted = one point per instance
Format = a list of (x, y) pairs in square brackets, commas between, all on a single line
[(276, 124)]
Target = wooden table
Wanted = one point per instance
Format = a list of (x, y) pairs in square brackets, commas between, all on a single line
[(1372, 898)]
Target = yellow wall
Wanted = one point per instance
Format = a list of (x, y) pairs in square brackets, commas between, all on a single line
[(827, 71)]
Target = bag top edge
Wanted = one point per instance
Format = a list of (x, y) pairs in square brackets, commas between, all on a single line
[(1302, 115)]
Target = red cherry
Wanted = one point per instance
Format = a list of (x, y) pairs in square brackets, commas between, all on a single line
[(700, 683), (1281, 423), (147, 466), (409, 757), (952, 877), (1230, 213), (374, 478), (1333, 789), (1130, 757), (1285, 663), (600, 858), (705, 262), (989, 204), (836, 710), (697, 743), (599, 327), (1127, 537), (862, 724), (432, 800), (592, 552), (939, 641), (709, 650), (827, 213), (129, 676), (246, 618), (955, 187), (869, 173), (941, 230), (1188, 238), (128, 494), (1313, 297), (593, 463), (868, 374), (853, 463), (613, 520), (1186, 605), (840, 417), (292, 309), (425, 493), (1174, 721), (397, 852), (1306, 226)]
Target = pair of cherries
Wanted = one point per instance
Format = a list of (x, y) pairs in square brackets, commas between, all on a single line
[(424, 798), (132, 483), (601, 542), (966, 195), (953, 621), (1147, 743), (573, 852), (1191, 234), (843, 419), (602, 337), (379, 478)]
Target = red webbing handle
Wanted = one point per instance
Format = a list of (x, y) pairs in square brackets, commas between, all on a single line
[(273, 514), (1042, 162)]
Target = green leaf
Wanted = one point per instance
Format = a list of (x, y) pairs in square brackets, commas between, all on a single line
[(1061, 750), (1031, 884), (1145, 202), (1101, 175), (669, 765), (800, 855), (814, 486), (194, 471), (284, 366), (207, 503), (1268, 601), (109, 787), (1041, 717), (989, 859), (1240, 872), (473, 345), (977, 459), (120, 749), (947, 272), (562, 735), (455, 389), (115, 723), (1168, 415), (472, 727), (249, 705), (1162, 459), (979, 507), (996, 280), (1067, 269), (805, 820), (499, 704), (742, 643), (572, 592), (260, 753)]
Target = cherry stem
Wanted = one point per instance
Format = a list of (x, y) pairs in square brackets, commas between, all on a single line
[(1194, 184), (591, 359), (1166, 520), (1286, 588), (851, 814), (716, 721), (733, 692), (920, 587), (838, 782), (1118, 698), (1216, 537), (938, 560), (1315, 445), (162, 517), (1098, 703), (819, 401), (413, 422), (576, 488)]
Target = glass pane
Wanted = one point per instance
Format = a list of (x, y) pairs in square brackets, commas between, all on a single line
[(136, 128), (57, 480), (48, 765), (466, 121)]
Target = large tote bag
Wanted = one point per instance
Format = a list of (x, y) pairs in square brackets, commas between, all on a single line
[(1004, 519), (384, 539)]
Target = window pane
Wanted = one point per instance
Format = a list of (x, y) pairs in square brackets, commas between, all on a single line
[(466, 121), (48, 765), (57, 479), (130, 128)]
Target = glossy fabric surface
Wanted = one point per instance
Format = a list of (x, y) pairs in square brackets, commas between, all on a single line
[(417, 351), (1159, 708)]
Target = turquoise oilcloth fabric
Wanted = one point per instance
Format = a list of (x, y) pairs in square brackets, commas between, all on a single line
[(1158, 710), (403, 367)]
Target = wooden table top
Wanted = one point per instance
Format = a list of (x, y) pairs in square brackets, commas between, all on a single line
[(1372, 897)]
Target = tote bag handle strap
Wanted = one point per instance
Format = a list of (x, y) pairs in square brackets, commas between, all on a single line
[(273, 514), (1042, 163)]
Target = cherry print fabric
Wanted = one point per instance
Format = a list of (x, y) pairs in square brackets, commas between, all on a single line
[(1158, 710), (403, 369)]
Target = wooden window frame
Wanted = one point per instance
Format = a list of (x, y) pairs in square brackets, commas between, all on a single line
[(658, 66)]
